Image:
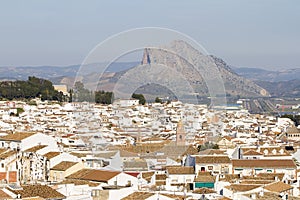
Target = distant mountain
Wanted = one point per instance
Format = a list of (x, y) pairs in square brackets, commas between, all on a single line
[(257, 74), (57, 73), (234, 83), (289, 88), (46, 72), (281, 83)]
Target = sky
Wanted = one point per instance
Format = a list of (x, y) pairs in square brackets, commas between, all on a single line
[(244, 33)]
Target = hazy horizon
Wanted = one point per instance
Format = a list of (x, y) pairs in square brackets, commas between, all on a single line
[(254, 34)]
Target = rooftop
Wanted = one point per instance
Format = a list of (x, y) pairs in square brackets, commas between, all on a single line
[(204, 178), (264, 163), (241, 187), (5, 153), (63, 166), (180, 170), (36, 190), (16, 136), (94, 175), (278, 187), (50, 155), (138, 195), (212, 159)]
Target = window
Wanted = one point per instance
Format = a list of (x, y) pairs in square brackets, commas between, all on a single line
[(210, 167), (2, 165), (238, 169)]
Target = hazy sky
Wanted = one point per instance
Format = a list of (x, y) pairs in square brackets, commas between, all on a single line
[(253, 33)]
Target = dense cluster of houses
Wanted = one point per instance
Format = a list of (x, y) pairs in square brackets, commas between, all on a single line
[(155, 151)]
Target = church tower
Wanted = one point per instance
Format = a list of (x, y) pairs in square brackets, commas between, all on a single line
[(180, 134)]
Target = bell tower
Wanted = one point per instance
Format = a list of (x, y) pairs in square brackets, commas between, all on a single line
[(180, 134)]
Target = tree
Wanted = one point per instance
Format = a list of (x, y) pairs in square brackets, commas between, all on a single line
[(294, 118), (32, 88), (158, 100), (71, 95), (103, 97), (81, 93), (140, 97)]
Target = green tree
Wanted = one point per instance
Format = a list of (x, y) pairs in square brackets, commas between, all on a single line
[(103, 97), (32, 88), (140, 97), (71, 95), (158, 100)]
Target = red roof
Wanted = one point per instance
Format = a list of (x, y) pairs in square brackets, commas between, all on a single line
[(134, 174)]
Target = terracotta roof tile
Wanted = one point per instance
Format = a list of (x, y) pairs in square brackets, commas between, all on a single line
[(147, 175), (204, 177), (79, 174), (4, 195), (5, 153), (106, 155), (278, 187), (292, 129), (140, 165), (50, 155), (138, 195), (203, 191), (79, 182), (241, 187), (264, 163), (270, 195), (94, 175), (63, 166), (79, 154), (180, 170), (270, 176), (229, 177), (16, 136), (160, 177), (252, 153), (212, 159), (174, 196), (43, 191)]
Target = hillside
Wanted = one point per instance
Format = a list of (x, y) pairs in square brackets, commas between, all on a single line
[(257, 74), (234, 84)]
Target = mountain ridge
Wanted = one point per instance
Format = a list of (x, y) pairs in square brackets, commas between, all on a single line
[(238, 81)]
